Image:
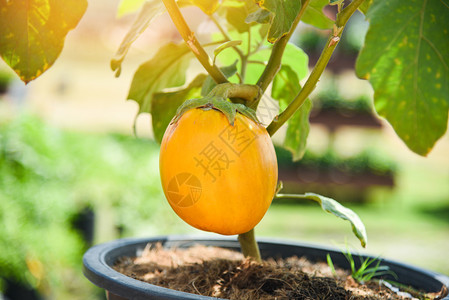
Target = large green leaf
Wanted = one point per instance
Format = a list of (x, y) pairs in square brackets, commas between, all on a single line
[(297, 59), (285, 87), (315, 16), (254, 70), (335, 208), (406, 59), (165, 105), (32, 33), (149, 10), (166, 69), (284, 13)]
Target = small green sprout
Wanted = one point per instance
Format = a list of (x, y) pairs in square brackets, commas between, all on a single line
[(369, 267)]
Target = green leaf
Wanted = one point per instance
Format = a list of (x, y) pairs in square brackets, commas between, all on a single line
[(297, 59), (224, 46), (285, 87), (149, 11), (129, 6), (166, 69), (315, 16), (32, 33), (237, 11), (165, 105), (335, 208), (253, 70), (407, 62), (261, 16), (284, 13), (209, 83), (365, 6)]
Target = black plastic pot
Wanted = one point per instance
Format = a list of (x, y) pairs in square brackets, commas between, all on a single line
[(98, 260)]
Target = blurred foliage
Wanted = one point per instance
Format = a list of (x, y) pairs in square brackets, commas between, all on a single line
[(367, 161), (330, 99), (47, 177), (360, 104), (312, 39)]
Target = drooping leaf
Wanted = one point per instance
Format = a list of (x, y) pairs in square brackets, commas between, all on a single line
[(166, 69), (149, 11), (224, 46), (297, 59), (165, 105), (406, 61), (209, 83), (284, 13), (335, 208), (32, 33), (129, 6), (285, 87), (315, 16)]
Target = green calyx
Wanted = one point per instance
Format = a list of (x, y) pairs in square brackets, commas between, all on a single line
[(217, 99), (238, 93), (229, 109)]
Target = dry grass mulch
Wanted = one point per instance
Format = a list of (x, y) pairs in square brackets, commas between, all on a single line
[(222, 273)]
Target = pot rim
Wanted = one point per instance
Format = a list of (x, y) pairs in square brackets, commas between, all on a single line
[(98, 259)]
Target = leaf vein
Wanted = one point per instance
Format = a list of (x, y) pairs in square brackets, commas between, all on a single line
[(447, 6), (437, 52), (162, 71), (418, 49), (395, 38)]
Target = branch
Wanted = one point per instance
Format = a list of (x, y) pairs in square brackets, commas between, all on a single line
[(192, 42), (309, 86), (274, 62), (225, 35)]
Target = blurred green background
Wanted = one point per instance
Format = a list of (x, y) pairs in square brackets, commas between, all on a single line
[(72, 174)]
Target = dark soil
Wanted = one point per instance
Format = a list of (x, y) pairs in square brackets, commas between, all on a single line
[(222, 273)]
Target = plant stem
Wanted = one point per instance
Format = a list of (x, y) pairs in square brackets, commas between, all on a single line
[(248, 245), (246, 92), (309, 86), (192, 42), (274, 62), (346, 13)]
